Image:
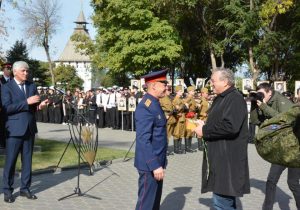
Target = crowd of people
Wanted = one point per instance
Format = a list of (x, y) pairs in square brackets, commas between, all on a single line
[(218, 118)]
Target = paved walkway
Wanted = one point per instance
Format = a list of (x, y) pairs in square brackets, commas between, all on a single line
[(115, 186)]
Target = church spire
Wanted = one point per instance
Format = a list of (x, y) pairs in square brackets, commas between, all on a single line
[(81, 23)]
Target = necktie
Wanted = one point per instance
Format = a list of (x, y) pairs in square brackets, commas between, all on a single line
[(23, 89)]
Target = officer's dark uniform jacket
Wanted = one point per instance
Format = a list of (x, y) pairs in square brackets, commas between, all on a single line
[(151, 135)]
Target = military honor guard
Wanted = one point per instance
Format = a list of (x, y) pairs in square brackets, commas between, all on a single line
[(179, 129), (168, 108), (190, 105), (151, 143), (202, 112)]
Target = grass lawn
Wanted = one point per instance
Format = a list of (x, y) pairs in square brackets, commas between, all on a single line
[(52, 151)]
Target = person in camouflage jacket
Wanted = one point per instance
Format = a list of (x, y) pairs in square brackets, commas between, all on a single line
[(272, 104)]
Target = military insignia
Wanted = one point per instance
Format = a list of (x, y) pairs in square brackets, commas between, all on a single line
[(148, 102)]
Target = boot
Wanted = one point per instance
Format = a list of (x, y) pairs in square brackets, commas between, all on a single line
[(187, 143), (200, 145), (179, 147), (175, 146), (190, 144)]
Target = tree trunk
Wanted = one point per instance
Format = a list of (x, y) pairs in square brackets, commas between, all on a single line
[(46, 48), (253, 66), (213, 59), (50, 66), (222, 61)]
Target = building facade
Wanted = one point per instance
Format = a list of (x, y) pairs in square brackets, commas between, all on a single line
[(78, 59)]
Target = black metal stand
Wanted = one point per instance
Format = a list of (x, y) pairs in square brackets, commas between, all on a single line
[(73, 131), (77, 190), (70, 140), (129, 151)]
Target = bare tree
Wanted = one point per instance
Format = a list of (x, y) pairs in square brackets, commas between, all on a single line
[(41, 19)]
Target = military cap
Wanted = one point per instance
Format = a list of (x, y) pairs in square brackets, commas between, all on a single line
[(125, 88), (45, 88), (39, 87), (157, 76), (6, 65), (178, 88), (204, 90), (51, 88), (190, 88), (115, 87)]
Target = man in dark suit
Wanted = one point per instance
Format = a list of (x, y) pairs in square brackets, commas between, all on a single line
[(6, 77), (151, 142), (20, 100)]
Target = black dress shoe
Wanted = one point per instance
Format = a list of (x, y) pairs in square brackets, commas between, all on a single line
[(9, 198), (28, 195)]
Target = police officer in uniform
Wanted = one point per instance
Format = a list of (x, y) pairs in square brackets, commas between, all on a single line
[(151, 143), (179, 128)]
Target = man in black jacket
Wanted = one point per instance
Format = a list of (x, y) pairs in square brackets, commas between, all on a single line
[(225, 169)]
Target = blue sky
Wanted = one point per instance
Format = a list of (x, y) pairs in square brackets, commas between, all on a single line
[(69, 12)]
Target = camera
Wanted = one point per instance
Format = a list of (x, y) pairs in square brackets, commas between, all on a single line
[(258, 96)]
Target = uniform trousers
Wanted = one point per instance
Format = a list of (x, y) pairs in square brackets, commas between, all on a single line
[(14, 145), (273, 177), (149, 192)]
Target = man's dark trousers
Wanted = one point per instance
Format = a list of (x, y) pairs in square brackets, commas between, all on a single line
[(273, 177), (13, 146), (149, 192)]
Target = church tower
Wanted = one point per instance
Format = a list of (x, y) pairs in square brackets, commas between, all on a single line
[(78, 60)]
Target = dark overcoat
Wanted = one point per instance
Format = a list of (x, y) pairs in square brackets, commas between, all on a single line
[(226, 134)]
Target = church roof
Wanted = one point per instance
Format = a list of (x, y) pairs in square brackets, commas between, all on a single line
[(70, 54)]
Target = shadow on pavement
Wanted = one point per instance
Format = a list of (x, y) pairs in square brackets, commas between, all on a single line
[(175, 200), (46, 181), (284, 200)]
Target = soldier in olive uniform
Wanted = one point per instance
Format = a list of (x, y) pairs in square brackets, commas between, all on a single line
[(202, 114), (168, 108), (190, 104), (179, 128)]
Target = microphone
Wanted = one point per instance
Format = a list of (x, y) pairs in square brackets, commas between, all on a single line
[(60, 90)]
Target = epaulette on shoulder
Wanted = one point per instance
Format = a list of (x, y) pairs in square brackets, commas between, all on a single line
[(148, 102)]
